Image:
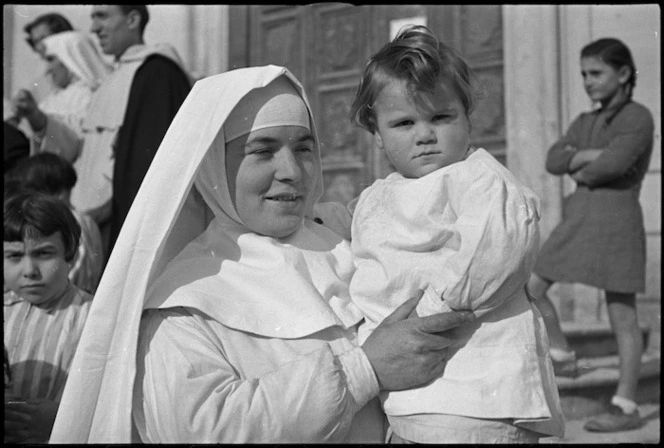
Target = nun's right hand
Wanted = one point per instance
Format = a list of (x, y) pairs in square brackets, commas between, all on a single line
[(23, 103), (409, 352)]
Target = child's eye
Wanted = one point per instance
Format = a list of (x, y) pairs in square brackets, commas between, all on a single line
[(442, 117), (305, 149), (403, 123)]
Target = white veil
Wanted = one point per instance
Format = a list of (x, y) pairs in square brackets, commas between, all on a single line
[(78, 52)]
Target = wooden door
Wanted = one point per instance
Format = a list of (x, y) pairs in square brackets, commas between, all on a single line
[(326, 46)]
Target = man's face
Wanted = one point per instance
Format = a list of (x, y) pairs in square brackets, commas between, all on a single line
[(37, 34), (115, 30), (35, 269)]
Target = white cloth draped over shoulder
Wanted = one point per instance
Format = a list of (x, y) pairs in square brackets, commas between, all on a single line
[(66, 108), (78, 52), (250, 284)]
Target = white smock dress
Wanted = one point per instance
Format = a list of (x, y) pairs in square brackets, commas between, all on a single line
[(467, 234)]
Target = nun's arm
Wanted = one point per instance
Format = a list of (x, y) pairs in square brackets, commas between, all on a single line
[(189, 392), (58, 137)]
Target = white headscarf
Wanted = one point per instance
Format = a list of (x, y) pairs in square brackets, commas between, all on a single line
[(284, 288), (77, 52)]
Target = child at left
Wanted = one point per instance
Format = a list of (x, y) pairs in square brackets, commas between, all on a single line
[(44, 312), (52, 174)]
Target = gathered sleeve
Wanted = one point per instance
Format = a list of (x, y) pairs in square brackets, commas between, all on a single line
[(630, 136), (490, 247), (191, 392)]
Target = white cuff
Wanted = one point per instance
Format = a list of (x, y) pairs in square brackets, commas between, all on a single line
[(360, 376), (431, 303)]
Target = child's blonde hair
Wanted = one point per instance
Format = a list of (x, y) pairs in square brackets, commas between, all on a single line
[(417, 57)]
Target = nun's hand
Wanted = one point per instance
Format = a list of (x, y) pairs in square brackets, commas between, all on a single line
[(409, 352), (24, 105)]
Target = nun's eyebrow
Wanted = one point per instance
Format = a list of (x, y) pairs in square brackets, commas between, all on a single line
[(264, 140), (306, 137), (268, 140)]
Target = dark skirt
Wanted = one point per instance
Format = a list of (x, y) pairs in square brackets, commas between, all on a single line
[(600, 242)]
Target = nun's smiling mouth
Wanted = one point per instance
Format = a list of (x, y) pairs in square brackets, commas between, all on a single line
[(284, 197)]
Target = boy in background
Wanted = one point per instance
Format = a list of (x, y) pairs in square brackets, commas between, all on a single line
[(44, 312), (51, 174)]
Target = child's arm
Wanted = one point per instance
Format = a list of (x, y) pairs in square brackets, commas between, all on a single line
[(582, 158), (632, 136), (560, 154), (491, 246)]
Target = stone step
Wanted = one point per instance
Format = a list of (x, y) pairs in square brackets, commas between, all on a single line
[(591, 340), (590, 392)]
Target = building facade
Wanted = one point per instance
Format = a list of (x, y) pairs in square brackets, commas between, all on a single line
[(526, 56)]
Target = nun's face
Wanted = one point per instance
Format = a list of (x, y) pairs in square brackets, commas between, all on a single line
[(271, 176)]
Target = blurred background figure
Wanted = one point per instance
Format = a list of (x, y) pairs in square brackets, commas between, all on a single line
[(44, 26), (44, 312), (51, 174), (16, 145), (77, 69), (41, 27), (126, 119), (601, 239)]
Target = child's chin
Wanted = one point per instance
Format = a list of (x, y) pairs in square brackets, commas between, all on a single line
[(35, 299)]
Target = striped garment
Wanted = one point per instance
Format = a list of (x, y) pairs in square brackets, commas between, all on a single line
[(41, 341)]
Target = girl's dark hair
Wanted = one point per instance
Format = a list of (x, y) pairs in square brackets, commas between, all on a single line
[(614, 53), (45, 172), (29, 214), (417, 57)]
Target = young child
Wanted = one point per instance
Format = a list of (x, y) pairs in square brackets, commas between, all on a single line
[(601, 239), (43, 312), (454, 222), (51, 174)]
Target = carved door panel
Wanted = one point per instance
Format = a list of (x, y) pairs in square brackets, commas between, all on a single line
[(477, 32), (326, 46)]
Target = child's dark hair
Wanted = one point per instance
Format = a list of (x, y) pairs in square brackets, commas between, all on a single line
[(417, 57), (614, 53), (30, 214), (45, 172)]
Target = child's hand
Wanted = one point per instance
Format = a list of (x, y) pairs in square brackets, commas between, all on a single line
[(29, 421)]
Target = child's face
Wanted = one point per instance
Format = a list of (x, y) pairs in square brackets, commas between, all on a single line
[(36, 269), (601, 80), (421, 134)]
